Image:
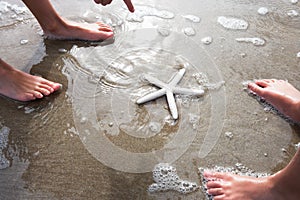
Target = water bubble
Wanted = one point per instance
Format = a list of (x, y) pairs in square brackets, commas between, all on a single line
[(256, 41), (243, 55), (298, 54), (263, 11), (192, 18), (83, 120), (193, 119), (155, 127), (283, 150), (62, 50), (229, 135), (292, 13), (206, 40), (142, 11), (28, 110), (18, 10), (201, 78), (110, 124), (189, 31), (294, 1), (22, 42), (4, 7), (233, 23)]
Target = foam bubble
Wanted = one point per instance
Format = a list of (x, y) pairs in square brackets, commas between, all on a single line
[(229, 135), (233, 23), (13, 11), (194, 118), (4, 7), (166, 178), (294, 1), (292, 13), (28, 110), (192, 18), (23, 42), (155, 127), (206, 40), (201, 78), (298, 54), (203, 81), (18, 10), (189, 31), (256, 41), (62, 50), (263, 11), (142, 11), (83, 120)]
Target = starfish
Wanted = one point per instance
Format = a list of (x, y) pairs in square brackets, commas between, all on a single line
[(169, 89)]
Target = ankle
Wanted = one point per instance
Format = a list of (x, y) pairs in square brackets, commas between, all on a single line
[(5, 68), (55, 27)]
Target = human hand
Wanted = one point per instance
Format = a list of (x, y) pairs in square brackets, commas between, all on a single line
[(106, 2)]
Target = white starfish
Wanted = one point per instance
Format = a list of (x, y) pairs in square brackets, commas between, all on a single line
[(168, 89)]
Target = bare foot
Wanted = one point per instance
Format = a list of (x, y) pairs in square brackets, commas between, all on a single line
[(21, 86), (78, 31), (281, 186), (226, 186), (280, 94), (55, 27)]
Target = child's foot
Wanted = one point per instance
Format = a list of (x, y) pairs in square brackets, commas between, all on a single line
[(226, 186), (280, 94), (280, 186), (79, 31), (21, 86)]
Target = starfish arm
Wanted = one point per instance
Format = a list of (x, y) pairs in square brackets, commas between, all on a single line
[(177, 77), (151, 96), (172, 104), (155, 81), (196, 92)]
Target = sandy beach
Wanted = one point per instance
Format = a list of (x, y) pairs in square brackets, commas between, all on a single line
[(91, 140)]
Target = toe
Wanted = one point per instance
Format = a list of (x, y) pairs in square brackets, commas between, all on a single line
[(50, 86), (213, 184), (256, 89), (104, 27), (215, 191), (37, 94), (213, 175), (263, 83)]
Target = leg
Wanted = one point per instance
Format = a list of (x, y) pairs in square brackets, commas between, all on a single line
[(280, 94), (280, 186), (56, 27), (21, 86)]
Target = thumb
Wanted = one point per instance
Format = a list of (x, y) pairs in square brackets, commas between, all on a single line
[(129, 5)]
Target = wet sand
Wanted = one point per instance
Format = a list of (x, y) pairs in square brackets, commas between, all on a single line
[(53, 148)]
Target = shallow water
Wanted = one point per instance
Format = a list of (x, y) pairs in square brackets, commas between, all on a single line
[(91, 140)]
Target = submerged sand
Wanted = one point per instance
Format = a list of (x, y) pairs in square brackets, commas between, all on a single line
[(52, 142)]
